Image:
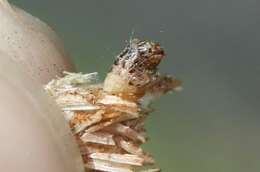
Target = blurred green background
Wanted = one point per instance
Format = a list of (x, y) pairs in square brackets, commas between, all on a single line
[(211, 45)]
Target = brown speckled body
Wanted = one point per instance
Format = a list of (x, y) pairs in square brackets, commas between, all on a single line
[(107, 119)]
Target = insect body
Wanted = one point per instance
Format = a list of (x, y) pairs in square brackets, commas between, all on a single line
[(107, 119)]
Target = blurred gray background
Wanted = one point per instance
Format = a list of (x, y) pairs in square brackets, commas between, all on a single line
[(213, 46)]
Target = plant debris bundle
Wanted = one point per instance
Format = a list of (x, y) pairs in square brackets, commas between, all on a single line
[(107, 119)]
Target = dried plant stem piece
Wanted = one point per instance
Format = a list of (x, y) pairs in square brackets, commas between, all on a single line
[(108, 119), (119, 158), (99, 138), (107, 166), (124, 130)]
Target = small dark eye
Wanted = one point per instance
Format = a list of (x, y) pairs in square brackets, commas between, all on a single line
[(132, 71)]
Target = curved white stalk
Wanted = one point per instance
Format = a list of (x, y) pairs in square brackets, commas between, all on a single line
[(31, 43), (34, 134)]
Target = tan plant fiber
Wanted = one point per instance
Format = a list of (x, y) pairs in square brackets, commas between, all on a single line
[(107, 119)]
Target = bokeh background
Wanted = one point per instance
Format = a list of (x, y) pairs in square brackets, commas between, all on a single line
[(213, 46)]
